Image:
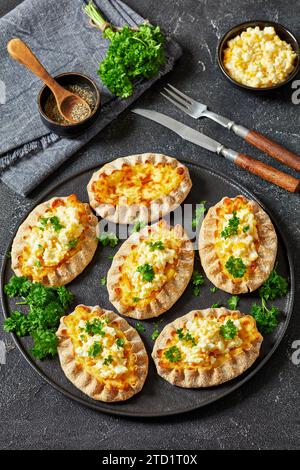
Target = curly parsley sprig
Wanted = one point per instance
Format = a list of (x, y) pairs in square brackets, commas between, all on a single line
[(266, 317), (46, 306)]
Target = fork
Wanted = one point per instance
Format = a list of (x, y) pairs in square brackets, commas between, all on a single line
[(197, 110)]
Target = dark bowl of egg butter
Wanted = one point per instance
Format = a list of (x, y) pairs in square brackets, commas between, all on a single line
[(82, 86)]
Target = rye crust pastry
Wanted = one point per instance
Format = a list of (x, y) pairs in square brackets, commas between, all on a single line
[(150, 271), (237, 245), (191, 352), (55, 242), (142, 187), (101, 354)]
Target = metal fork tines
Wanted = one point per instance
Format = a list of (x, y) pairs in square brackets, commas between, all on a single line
[(183, 102), (192, 107)]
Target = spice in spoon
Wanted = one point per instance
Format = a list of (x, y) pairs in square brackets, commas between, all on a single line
[(79, 111)]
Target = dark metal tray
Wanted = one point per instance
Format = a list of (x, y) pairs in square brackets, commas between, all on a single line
[(158, 397)]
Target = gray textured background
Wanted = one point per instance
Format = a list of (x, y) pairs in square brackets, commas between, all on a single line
[(264, 413)]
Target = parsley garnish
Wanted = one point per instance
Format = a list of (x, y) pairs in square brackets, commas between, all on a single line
[(108, 360), (232, 227), (95, 327), (173, 354), (274, 287), (120, 342), (236, 267), (267, 317), (198, 214), (233, 302), (215, 305), (108, 239), (73, 243), (147, 272), (140, 327), (43, 221), (17, 323), (45, 343), (228, 330), (138, 226), (46, 306), (103, 281), (135, 299), (95, 349), (155, 332), (65, 296), (213, 290), (110, 257), (38, 263), (186, 337), (197, 281), (246, 228), (53, 220), (156, 245)]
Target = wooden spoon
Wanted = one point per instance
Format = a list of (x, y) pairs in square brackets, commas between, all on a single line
[(65, 99)]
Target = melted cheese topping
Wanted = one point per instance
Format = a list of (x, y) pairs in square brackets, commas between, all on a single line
[(56, 236), (209, 349), (137, 184), (106, 355), (259, 58), (134, 291), (245, 243)]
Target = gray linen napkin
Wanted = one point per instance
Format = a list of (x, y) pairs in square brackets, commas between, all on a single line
[(60, 35)]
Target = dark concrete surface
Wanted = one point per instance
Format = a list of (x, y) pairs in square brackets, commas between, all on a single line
[(264, 413)]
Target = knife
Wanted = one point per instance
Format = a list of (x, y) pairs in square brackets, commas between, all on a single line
[(256, 167)]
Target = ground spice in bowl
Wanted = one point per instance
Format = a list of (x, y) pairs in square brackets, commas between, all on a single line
[(79, 111)]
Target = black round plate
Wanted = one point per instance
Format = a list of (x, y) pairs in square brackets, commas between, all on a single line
[(158, 397)]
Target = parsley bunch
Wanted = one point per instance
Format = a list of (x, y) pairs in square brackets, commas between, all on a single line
[(132, 54), (46, 306)]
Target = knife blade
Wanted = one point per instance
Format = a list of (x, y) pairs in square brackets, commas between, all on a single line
[(186, 132), (268, 173)]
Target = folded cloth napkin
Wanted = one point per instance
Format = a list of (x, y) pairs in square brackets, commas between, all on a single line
[(60, 35)]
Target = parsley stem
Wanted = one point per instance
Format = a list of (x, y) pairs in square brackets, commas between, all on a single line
[(94, 14)]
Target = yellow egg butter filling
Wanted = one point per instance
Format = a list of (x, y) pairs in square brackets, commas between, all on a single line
[(137, 184), (148, 267), (259, 58), (55, 237), (101, 348), (207, 342), (237, 239)]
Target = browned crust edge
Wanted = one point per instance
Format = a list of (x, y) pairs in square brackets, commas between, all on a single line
[(66, 272), (85, 381), (170, 292), (157, 209), (196, 378), (267, 251)]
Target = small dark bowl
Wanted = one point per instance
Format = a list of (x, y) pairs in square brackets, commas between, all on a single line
[(282, 32), (69, 130)]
